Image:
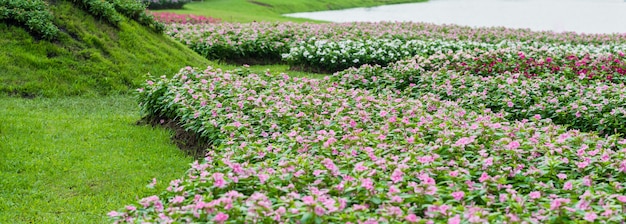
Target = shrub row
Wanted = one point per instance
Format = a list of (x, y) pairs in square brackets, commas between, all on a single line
[(32, 14), (299, 150), (481, 58), (231, 41), (137, 11)]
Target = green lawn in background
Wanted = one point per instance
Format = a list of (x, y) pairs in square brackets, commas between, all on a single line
[(272, 10)]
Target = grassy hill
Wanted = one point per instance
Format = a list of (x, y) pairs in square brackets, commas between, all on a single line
[(89, 56)]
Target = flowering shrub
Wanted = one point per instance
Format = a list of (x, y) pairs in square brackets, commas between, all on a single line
[(112, 10), (165, 4), (300, 150), (168, 17), (572, 62), (234, 41), (477, 57), (335, 56)]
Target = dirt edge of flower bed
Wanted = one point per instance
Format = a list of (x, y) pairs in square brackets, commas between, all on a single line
[(190, 143)]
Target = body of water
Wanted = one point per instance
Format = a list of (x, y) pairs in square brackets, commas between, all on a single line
[(583, 16)]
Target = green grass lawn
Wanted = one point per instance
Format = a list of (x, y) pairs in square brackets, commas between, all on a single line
[(272, 10), (71, 160)]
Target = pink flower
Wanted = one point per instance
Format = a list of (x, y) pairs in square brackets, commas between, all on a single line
[(567, 186), (383, 113), (535, 194), (397, 176), (319, 211), (411, 218), (582, 164), (220, 217), (178, 199), (308, 200), (463, 141), (513, 145), (368, 184), (427, 180), (590, 216), (454, 220), (458, 195), (488, 162), (483, 177), (621, 198), (359, 167), (510, 104), (561, 176), (114, 214), (557, 203), (444, 209), (218, 180), (410, 140), (263, 177)]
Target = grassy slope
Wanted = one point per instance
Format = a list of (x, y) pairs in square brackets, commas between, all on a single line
[(272, 10), (71, 160), (93, 59)]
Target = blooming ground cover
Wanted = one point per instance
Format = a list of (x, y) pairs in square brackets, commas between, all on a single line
[(270, 41), (498, 129), (300, 150)]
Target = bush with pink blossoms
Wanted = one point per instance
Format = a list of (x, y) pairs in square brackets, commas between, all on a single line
[(300, 150), (168, 18)]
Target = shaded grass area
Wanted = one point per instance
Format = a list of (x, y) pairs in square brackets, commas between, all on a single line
[(72, 160), (90, 57), (272, 10)]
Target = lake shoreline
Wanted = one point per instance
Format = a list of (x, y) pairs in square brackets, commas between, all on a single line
[(582, 16)]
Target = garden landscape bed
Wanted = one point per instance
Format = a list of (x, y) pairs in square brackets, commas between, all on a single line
[(461, 131)]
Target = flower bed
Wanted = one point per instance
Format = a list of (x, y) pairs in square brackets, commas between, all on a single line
[(240, 42), (571, 91), (329, 56), (168, 18), (476, 57), (300, 150)]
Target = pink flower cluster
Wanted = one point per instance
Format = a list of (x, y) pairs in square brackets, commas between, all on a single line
[(168, 18)]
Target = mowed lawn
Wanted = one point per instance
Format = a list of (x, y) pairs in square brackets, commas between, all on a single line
[(71, 160)]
